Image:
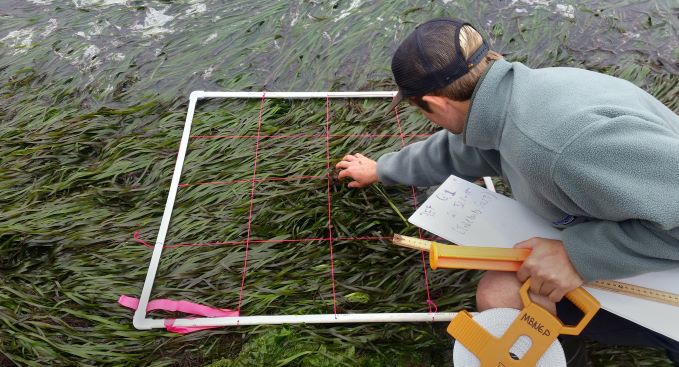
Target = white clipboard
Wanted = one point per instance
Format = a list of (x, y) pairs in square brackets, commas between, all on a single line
[(467, 214)]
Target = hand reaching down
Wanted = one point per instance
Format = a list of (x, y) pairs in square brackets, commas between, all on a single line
[(362, 170)]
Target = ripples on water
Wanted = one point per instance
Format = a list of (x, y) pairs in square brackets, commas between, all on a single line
[(172, 48)]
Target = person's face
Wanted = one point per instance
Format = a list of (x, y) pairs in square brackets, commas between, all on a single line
[(446, 113)]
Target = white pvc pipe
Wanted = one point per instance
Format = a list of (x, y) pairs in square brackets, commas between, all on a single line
[(141, 322), (303, 319), (140, 314), (377, 94)]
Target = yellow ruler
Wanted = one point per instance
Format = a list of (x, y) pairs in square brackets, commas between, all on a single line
[(509, 259), (636, 291)]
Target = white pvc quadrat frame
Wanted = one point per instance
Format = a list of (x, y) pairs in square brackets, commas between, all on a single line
[(142, 322)]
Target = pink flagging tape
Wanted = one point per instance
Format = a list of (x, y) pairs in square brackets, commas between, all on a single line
[(179, 306)]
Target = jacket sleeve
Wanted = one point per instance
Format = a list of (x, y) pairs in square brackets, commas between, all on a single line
[(624, 174), (430, 162)]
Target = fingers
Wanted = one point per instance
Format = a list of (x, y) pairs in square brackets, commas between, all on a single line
[(549, 268), (536, 285), (356, 183), (343, 165), (529, 243), (346, 161), (523, 273), (541, 282), (547, 285), (556, 295), (348, 170), (547, 289), (358, 167), (349, 160), (544, 302), (344, 173)]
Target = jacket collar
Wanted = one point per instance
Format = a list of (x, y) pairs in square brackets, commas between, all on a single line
[(488, 107)]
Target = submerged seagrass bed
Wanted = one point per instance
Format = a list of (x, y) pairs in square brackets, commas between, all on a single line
[(93, 100)]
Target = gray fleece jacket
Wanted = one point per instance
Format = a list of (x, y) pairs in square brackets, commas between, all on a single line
[(591, 153)]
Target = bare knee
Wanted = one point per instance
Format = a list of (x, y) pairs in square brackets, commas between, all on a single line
[(498, 289)]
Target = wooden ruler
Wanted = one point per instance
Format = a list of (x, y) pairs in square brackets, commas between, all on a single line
[(636, 291), (482, 253)]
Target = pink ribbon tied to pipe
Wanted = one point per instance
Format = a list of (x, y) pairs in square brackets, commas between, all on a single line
[(179, 306)]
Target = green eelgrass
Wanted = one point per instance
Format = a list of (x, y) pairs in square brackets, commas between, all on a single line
[(88, 143)]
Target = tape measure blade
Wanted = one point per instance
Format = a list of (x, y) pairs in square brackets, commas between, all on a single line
[(411, 242), (636, 291)]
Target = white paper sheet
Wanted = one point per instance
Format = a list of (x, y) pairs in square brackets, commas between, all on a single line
[(467, 214)]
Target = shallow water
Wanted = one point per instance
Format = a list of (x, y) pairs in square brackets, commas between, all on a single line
[(114, 50), (92, 103)]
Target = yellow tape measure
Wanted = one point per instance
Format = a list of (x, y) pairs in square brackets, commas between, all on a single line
[(509, 259), (533, 321), (636, 291)]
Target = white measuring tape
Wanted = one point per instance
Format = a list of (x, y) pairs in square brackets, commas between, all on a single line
[(496, 321)]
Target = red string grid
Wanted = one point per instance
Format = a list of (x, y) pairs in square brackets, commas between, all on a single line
[(430, 303), (252, 196), (253, 180)]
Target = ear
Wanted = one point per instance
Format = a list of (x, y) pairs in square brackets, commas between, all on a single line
[(437, 102)]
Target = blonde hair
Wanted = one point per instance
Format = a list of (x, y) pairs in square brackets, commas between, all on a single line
[(463, 88)]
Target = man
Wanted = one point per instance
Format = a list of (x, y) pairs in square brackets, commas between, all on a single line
[(593, 154)]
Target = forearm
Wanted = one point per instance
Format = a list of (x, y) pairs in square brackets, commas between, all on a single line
[(430, 162)]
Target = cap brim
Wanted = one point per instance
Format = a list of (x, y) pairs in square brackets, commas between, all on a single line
[(394, 102)]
